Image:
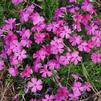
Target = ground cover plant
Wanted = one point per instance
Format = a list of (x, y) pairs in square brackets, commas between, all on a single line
[(51, 50)]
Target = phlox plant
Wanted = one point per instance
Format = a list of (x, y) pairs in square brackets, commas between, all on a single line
[(36, 52)]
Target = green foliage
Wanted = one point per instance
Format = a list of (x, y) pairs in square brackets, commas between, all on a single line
[(48, 7), (90, 71)]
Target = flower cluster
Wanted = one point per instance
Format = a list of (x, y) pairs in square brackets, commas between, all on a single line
[(78, 88), (42, 48)]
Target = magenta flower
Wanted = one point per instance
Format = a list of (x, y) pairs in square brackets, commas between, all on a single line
[(76, 77), (13, 71), (24, 16), (39, 27), (2, 65), (96, 40), (87, 87), (87, 6), (77, 85), (73, 97), (53, 64), (57, 46), (66, 32), (62, 93), (36, 18), (75, 39), (41, 54), (36, 66), (15, 46), (96, 57), (29, 9), (72, 1), (76, 91), (75, 58), (48, 98), (10, 37), (26, 42), (27, 72), (35, 85), (91, 29), (63, 60), (85, 19), (16, 2), (77, 17), (10, 23), (14, 61), (25, 33), (39, 37), (21, 55), (45, 71), (84, 47)]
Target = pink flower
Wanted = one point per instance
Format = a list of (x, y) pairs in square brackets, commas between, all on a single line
[(13, 71), (16, 2), (27, 72), (77, 26), (39, 27), (73, 97), (96, 57), (48, 98), (66, 32), (11, 23), (36, 66), (24, 16), (36, 18), (14, 61), (53, 64), (10, 37), (85, 19), (63, 60), (39, 37), (77, 85), (76, 91), (41, 54), (29, 9), (76, 77), (91, 29), (77, 17), (47, 48), (2, 65), (75, 39), (26, 42), (87, 6), (15, 46), (75, 58), (25, 13), (73, 9), (45, 71), (84, 47), (62, 93), (96, 41), (87, 87), (25, 33), (35, 85), (72, 1), (59, 12), (21, 55), (57, 46)]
